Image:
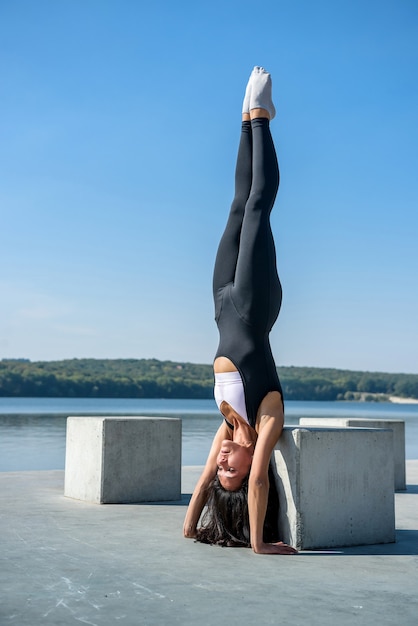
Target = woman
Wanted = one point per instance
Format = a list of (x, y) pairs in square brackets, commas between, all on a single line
[(247, 294)]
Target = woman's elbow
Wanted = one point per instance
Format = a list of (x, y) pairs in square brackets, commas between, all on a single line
[(258, 481)]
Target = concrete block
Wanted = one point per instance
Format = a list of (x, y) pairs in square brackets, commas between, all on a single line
[(123, 459), (335, 487), (397, 426)]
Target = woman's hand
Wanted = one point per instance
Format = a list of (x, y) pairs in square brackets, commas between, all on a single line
[(189, 532), (275, 548)]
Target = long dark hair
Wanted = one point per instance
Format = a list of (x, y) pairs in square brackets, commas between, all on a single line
[(226, 522)]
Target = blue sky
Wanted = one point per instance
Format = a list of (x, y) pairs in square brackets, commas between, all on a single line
[(118, 136)]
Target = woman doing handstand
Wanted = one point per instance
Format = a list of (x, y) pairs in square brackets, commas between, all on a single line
[(247, 295)]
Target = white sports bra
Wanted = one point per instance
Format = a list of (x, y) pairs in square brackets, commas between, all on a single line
[(229, 387)]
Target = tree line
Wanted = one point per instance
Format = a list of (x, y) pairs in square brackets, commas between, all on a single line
[(151, 378)]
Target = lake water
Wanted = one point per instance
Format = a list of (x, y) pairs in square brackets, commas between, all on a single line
[(32, 430)]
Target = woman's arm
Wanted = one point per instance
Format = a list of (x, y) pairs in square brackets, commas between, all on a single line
[(271, 426), (200, 493)]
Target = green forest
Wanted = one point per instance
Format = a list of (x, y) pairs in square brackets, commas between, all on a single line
[(151, 378)]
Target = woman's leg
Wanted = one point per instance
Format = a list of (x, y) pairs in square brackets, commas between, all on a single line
[(226, 258), (257, 97), (257, 290)]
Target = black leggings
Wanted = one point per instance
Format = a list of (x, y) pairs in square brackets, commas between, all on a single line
[(246, 255)]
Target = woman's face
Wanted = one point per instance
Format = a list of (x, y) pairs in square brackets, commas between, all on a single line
[(234, 462)]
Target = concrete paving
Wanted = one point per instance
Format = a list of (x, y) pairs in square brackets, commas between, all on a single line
[(69, 562)]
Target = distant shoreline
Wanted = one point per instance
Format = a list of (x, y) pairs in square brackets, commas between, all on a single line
[(382, 397), (398, 400), (151, 378)]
